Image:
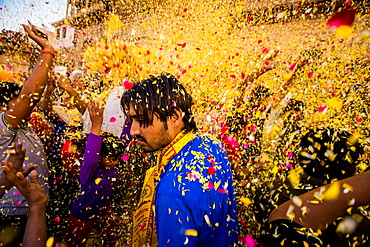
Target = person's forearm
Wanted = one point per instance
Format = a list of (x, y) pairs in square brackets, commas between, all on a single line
[(47, 103), (34, 86), (323, 212), (96, 129), (91, 157), (35, 234), (32, 90), (80, 104)]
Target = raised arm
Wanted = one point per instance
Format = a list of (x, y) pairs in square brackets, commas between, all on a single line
[(32, 90), (47, 102), (35, 234), (15, 165), (268, 65), (317, 210), (77, 100), (93, 144), (96, 115)]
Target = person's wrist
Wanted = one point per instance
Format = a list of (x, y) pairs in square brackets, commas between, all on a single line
[(37, 206), (49, 48), (73, 93)]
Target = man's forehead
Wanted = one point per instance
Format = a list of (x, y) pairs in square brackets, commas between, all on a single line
[(134, 110)]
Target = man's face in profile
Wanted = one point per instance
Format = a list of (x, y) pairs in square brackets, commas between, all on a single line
[(153, 137)]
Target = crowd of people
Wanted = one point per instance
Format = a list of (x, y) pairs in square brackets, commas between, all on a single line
[(137, 170)]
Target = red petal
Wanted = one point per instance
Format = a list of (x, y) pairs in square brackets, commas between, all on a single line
[(211, 170)]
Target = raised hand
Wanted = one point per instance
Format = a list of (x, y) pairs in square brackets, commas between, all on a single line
[(63, 82), (15, 164), (32, 191), (96, 115), (35, 233), (39, 37)]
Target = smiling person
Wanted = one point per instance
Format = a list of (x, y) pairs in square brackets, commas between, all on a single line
[(188, 197), (98, 177)]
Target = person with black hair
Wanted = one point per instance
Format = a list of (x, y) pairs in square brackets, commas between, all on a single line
[(16, 106), (98, 175), (188, 196), (325, 155)]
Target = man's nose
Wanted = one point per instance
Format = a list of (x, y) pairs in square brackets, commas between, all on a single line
[(135, 128)]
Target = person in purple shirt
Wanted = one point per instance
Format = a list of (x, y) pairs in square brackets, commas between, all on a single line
[(98, 175)]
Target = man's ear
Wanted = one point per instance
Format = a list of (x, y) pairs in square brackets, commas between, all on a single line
[(176, 118)]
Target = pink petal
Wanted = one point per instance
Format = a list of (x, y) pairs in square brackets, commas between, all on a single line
[(210, 185), (321, 108), (125, 157), (127, 84), (344, 17)]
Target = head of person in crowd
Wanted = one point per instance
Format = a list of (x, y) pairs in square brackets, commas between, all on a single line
[(259, 96), (328, 153), (77, 79), (9, 92), (294, 110), (111, 150), (158, 108)]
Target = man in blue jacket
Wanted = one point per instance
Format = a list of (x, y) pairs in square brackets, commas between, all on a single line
[(188, 197)]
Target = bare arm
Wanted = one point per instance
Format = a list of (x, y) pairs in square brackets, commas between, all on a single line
[(14, 175), (64, 83), (96, 115), (47, 102), (252, 77), (321, 211), (35, 234), (33, 88)]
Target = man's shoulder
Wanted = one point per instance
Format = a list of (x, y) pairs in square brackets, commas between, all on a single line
[(7, 134), (201, 162), (206, 141)]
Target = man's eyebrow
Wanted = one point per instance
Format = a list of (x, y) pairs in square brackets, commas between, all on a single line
[(137, 115)]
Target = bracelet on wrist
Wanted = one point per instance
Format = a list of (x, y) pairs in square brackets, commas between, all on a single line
[(48, 52)]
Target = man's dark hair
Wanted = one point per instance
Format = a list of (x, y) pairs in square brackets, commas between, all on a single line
[(261, 92), (8, 90), (329, 153), (160, 95), (111, 145), (294, 105)]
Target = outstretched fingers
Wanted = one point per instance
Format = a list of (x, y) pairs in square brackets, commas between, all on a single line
[(34, 178), (36, 35), (8, 171), (29, 169), (21, 182), (17, 155)]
